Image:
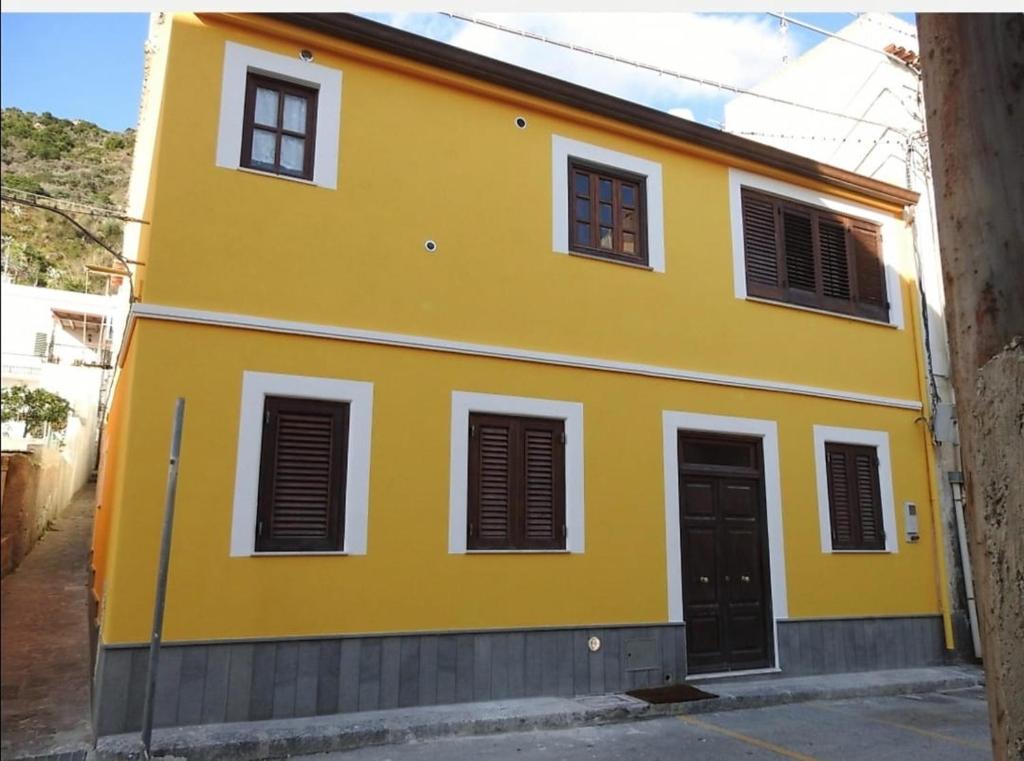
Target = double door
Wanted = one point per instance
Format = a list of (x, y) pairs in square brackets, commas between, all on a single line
[(726, 589)]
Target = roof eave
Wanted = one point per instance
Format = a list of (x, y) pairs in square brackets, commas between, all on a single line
[(404, 44)]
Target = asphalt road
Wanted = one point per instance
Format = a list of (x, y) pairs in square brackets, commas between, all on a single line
[(944, 726)]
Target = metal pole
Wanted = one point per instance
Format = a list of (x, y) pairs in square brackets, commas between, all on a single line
[(161, 577)]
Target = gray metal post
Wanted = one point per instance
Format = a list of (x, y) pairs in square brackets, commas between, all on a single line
[(161, 577)]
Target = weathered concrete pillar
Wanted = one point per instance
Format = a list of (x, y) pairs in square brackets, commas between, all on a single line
[(973, 70)]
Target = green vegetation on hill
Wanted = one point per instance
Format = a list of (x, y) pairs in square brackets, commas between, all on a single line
[(61, 158)]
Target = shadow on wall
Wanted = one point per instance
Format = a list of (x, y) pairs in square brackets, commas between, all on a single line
[(36, 488)]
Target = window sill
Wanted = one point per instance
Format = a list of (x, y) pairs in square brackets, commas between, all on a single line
[(860, 552), (518, 552), (607, 260), (840, 315), (299, 553), (261, 173)]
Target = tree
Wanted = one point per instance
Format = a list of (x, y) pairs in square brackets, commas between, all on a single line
[(36, 408)]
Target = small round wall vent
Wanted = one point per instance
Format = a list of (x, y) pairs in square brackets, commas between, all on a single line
[(430, 246), (521, 122), (306, 55)]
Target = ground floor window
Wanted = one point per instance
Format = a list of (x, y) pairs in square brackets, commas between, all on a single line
[(516, 475), (301, 504), (516, 483)]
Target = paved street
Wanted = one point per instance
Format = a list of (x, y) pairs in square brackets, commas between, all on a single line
[(947, 726), (46, 639)]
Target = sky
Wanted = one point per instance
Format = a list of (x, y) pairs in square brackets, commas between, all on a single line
[(89, 65)]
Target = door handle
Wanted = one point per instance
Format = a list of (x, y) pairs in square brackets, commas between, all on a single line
[(745, 579), (704, 579)]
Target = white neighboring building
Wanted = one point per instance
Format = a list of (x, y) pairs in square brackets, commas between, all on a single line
[(861, 81), (65, 342)]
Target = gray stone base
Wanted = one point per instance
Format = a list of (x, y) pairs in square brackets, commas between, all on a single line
[(840, 645), (248, 681), (211, 683)]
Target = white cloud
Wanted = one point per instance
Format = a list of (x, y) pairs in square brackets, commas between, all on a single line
[(736, 49), (682, 113)]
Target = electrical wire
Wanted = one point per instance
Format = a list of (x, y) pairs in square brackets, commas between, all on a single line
[(82, 231), (822, 138), (18, 195), (819, 30), (662, 71)]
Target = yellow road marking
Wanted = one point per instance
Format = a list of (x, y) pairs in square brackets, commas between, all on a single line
[(747, 739), (909, 728)]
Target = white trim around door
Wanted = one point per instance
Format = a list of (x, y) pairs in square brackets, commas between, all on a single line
[(767, 431)]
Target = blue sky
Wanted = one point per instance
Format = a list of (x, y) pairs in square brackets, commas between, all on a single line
[(89, 65)]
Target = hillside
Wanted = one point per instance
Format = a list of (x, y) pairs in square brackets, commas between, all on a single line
[(63, 158)]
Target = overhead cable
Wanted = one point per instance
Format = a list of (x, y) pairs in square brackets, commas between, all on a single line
[(665, 72), (833, 35)]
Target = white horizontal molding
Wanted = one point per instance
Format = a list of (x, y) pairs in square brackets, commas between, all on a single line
[(428, 343)]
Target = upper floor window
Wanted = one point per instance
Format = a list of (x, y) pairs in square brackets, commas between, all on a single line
[(279, 127), (606, 205), (279, 115), (606, 209), (809, 256)]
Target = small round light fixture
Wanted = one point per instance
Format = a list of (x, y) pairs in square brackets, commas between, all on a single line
[(306, 55), (594, 643), (430, 246), (521, 122)]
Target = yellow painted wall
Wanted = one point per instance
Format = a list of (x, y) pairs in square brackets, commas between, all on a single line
[(421, 160), (111, 474), (408, 581)]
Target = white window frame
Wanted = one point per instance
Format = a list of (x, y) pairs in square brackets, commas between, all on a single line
[(239, 62), (824, 434), (767, 430), (256, 387), (465, 402), (892, 233), (562, 149)]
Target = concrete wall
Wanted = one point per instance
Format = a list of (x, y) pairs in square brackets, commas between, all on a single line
[(37, 487)]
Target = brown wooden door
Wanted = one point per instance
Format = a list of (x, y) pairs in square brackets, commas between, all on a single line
[(726, 591)]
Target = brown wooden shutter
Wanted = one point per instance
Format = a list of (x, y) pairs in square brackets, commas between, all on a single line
[(301, 503), (761, 244), (490, 482), (854, 497), (798, 242), (839, 502), (806, 255), (870, 271), (835, 267), (869, 499), (516, 496), (544, 484)]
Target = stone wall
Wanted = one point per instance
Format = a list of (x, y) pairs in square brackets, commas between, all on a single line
[(36, 487)]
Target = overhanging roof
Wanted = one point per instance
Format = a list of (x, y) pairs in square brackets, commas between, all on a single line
[(387, 39)]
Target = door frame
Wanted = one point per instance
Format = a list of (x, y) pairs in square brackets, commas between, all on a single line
[(767, 430)]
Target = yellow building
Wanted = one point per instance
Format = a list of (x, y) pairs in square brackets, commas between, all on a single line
[(496, 386)]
